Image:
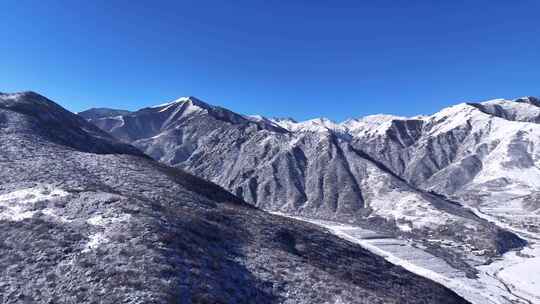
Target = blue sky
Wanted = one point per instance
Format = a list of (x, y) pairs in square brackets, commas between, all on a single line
[(302, 59)]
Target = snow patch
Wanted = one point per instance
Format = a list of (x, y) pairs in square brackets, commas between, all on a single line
[(18, 205), (95, 240), (452, 117), (100, 220), (33, 195), (103, 223), (119, 118)]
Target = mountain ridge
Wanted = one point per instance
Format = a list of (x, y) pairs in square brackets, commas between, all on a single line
[(52, 119)]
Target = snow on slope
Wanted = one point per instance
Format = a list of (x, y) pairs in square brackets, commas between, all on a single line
[(513, 144), (522, 109), (409, 209), (453, 117), (366, 124), (463, 151), (18, 205), (312, 125), (178, 100), (103, 224), (370, 124), (511, 158)]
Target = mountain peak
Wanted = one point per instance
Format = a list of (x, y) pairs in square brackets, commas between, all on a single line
[(25, 96), (17, 95), (181, 100), (31, 103)]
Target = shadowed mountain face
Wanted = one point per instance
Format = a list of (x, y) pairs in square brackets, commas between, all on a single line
[(97, 222), (316, 168)]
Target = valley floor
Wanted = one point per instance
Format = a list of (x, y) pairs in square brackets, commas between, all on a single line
[(512, 279)]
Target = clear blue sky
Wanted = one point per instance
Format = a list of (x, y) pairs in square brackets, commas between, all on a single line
[(302, 59)]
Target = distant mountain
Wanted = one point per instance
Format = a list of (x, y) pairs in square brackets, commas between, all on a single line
[(484, 154), (318, 168), (86, 219), (97, 113)]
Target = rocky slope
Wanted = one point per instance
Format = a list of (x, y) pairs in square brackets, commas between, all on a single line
[(85, 219), (315, 168)]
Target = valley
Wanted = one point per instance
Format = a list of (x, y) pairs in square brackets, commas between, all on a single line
[(510, 279)]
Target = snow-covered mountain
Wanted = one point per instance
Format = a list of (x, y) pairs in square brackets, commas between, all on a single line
[(87, 219), (318, 168), (482, 154)]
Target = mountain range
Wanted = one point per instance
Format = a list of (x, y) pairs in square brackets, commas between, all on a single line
[(170, 203), (421, 177), (86, 218)]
